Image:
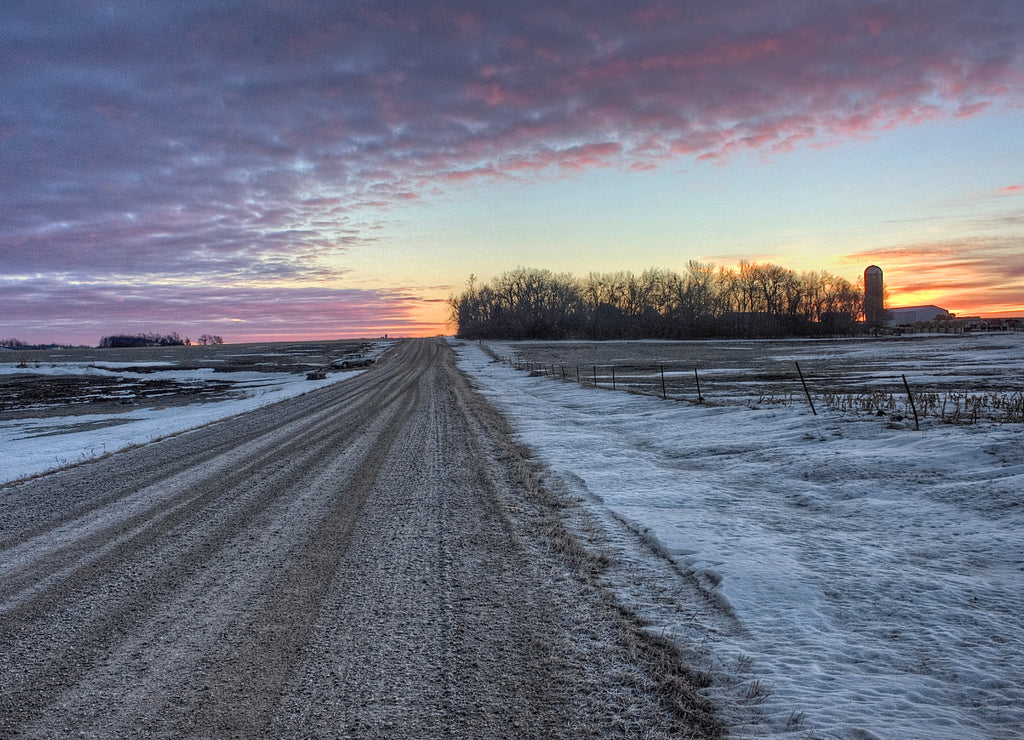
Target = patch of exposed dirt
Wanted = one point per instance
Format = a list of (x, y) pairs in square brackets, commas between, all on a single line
[(26, 395)]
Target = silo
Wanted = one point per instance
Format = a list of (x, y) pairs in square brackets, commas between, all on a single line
[(874, 295)]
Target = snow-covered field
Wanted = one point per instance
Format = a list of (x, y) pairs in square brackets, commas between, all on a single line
[(873, 575), (870, 578), (33, 445)]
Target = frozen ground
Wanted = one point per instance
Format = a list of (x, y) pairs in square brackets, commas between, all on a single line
[(871, 578), (31, 444), (875, 574)]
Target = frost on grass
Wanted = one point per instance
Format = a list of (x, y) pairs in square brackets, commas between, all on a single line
[(841, 575)]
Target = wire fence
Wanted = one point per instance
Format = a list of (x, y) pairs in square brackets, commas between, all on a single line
[(896, 401)]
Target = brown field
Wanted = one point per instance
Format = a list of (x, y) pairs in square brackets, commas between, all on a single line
[(44, 382)]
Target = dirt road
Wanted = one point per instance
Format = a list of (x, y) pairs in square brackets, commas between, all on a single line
[(370, 560)]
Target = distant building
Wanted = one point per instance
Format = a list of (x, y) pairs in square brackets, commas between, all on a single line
[(913, 314), (874, 296)]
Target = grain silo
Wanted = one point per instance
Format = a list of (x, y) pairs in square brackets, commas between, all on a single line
[(874, 295)]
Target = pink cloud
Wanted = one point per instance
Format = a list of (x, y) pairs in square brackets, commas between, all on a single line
[(237, 314), (207, 144), (493, 94)]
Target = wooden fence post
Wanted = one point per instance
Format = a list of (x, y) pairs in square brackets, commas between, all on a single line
[(613, 377), (663, 394), (700, 398), (806, 392), (913, 407)]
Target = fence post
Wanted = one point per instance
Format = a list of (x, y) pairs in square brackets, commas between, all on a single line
[(913, 407), (806, 392), (663, 394), (700, 398), (577, 373), (595, 376), (613, 377)]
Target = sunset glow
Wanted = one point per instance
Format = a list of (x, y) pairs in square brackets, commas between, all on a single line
[(273, 170)]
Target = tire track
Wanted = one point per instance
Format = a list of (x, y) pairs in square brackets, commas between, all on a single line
[(261, 428), (309, 434), (246, 684), (176, 500), (198, 520), (346, 564)]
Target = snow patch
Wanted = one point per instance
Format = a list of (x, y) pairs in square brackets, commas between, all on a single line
[(877, 574)]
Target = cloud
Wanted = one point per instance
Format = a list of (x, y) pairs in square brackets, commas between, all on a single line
[(967, 275), (224, 142), (43, 308)]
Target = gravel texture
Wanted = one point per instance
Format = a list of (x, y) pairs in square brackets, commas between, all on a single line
[(371, 560)]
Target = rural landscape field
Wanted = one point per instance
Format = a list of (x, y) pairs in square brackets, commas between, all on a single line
[(757, 472), (849, 571), (362, 555), (67, 405), (954, 379), (83, 379)]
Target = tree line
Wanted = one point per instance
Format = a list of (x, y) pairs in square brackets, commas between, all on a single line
[(155, 340), (125, 340), (752, 300)]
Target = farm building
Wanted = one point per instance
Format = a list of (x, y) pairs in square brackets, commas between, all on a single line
[(913, 314)]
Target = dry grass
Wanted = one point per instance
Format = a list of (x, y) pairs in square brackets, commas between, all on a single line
[(950, 407), (651, 665)]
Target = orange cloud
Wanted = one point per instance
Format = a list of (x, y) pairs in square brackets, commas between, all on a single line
[(974, 276)]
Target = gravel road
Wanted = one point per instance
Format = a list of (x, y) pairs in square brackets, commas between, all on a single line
[(373, 559)]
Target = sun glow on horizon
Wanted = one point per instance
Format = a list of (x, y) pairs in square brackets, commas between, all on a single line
[(587, 138)]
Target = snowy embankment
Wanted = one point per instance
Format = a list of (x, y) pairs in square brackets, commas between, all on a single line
[(876, 574), (31, 446)]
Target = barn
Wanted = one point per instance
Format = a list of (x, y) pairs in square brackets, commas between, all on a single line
[(913, 314)]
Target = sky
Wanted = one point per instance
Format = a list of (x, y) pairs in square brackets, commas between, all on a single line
[(278, 169)]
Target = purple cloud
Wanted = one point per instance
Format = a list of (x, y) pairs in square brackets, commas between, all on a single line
[(236, 141), (53, 310)]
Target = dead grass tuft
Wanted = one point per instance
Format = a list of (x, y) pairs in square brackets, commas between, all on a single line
[(652, 666)]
